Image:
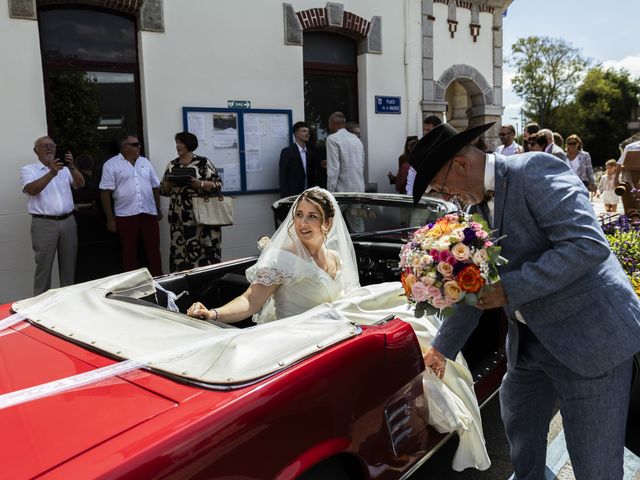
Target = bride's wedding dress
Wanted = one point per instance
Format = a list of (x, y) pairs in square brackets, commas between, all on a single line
[(452, 402), (305, 288)]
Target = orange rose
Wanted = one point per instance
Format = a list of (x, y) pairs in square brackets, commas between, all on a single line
[(469, 279), (407, 279)]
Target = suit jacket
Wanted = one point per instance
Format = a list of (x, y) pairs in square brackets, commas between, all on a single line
[(561, 275), (345, 162), (558, 152), (585, 169), (292, 172)]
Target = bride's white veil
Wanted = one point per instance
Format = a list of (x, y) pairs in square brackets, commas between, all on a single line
[(286, 261)]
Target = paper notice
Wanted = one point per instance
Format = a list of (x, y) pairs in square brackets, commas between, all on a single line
[(253, 161), (279, 126), (196, 125), (251, 141), (251, 124)]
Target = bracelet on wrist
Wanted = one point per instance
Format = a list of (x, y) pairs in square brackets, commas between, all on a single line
[(217, 315)]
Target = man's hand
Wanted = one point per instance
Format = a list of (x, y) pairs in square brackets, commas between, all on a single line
[(159, 215), (493, 297), (112, 226), (437, 362)]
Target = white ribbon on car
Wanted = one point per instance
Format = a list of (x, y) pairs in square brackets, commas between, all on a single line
[(36, 308), (82, 379)]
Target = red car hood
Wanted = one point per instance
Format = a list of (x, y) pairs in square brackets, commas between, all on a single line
[(40, 434)]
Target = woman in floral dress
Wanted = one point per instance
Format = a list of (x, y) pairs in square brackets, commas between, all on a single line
[(192, 245)]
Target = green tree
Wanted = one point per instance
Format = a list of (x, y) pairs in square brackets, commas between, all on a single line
[(75, 111), (547, 73), (604, 102)]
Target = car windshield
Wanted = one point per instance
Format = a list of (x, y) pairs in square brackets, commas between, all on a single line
[(367, 213)]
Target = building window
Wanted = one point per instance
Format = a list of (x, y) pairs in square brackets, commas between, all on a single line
[(92, 94), (330, 78), (90, 65)]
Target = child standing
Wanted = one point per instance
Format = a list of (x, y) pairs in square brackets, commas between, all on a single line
[(607, 185)]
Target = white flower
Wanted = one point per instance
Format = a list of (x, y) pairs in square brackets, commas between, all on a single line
[(480, 257), (263, 242)]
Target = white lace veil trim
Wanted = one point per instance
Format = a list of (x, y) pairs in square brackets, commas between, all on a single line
[(286, 261)]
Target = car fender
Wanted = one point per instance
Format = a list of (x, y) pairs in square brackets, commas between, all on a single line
[(313, 456)]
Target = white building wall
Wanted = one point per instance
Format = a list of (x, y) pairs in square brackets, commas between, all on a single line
[(22, 120), (211, 52), (462, 49)]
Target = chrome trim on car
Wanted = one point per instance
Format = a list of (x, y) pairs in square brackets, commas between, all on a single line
[(396, 421)]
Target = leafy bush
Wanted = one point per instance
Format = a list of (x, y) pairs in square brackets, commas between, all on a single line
[(624, 239)]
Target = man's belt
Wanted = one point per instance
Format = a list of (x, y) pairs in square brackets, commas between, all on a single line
[(52, 217)]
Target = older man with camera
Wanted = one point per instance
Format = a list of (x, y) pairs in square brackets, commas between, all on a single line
[(48, 183)]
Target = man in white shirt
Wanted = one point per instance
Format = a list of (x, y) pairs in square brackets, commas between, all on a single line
[(509, 145), (129, 179), (48, 184), (629, 147), (345, 157)]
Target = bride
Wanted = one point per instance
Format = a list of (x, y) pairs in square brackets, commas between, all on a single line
[(310, 263)]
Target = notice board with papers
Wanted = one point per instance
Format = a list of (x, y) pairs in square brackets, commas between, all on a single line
[(243, 144)]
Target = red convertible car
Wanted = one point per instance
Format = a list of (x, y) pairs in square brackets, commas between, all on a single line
[(105, 380)]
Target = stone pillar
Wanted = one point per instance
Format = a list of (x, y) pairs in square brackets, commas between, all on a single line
[(430, 106)]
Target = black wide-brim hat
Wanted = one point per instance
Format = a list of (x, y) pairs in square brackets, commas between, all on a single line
[(435, 149)]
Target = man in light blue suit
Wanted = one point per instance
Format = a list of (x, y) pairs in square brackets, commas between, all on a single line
[(574, 319)]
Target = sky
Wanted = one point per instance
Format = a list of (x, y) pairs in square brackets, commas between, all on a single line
[(606, 31)]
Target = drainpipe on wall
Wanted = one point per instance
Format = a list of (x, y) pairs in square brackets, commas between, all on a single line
[(407, 58)]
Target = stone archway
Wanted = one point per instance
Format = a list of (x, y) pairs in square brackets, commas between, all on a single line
[(464, 77), (469, 99)]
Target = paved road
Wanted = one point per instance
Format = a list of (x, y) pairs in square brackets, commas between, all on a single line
[(558, 464)]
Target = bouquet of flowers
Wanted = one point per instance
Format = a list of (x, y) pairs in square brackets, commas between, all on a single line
[(447, 262)]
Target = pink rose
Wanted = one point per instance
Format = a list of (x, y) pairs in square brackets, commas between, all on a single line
[(419, 292), (488, 244), (481, 234), (441, 303), (428, 280), (433, 292)]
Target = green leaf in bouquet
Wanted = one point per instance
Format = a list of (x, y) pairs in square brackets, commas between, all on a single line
[(470, 298), (476, 217), (447, 312), (494, 253), (419, 311)]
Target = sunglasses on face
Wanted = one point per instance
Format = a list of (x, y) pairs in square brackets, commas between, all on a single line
[(572, 143), (133, 144)]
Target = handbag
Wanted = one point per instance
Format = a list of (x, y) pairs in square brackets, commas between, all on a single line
[(216, 210)]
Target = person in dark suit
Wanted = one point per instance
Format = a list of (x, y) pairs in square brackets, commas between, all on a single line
[(573, 317), (298, 170)]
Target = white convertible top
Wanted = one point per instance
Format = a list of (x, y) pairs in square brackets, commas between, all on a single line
[(174, 342)]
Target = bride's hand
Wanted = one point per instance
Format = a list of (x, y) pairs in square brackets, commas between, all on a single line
[(198, 310), (437, 362)]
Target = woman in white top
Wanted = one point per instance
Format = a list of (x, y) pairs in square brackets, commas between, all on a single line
[(580, 162), (310, 266)]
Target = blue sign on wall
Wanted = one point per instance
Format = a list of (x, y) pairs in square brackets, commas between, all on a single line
[(387, 104)]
